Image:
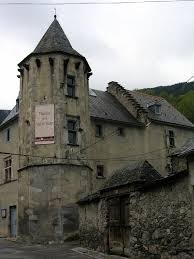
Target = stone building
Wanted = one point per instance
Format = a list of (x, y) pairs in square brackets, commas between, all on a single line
[(63, 141), (140, 214)]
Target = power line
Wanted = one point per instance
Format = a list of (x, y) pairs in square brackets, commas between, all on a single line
[(93, 3), (126, 158), (104, 138), (96, 142)]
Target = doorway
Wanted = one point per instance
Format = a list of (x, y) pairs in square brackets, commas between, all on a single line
[(13, 221)]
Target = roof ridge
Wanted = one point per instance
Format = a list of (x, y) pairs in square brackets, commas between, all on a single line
[(150, 95)]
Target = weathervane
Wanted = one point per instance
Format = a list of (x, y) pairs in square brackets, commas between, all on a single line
[(55, 16)]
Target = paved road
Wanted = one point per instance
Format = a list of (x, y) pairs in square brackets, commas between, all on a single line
[(12, 250)]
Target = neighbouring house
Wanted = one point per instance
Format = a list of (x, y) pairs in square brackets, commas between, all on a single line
[(63, 141)]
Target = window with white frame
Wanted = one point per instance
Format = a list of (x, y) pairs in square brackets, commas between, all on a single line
[(7, 167)]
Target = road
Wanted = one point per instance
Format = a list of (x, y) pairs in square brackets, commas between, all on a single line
[(13, 250)]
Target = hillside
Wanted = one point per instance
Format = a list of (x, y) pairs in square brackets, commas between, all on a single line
[(180, 95)]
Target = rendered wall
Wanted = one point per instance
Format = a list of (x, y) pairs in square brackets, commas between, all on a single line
[(47, 200), (137, 144), (9, 190)]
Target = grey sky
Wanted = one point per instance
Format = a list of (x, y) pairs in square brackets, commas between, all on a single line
[(140, 45)]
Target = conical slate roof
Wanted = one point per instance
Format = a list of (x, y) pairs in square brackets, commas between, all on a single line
[(55, 40)]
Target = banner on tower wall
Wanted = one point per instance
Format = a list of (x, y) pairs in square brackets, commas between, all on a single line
[(44, 124)]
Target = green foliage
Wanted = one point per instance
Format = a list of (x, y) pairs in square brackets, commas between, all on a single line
[(180, 95), (185, 105)]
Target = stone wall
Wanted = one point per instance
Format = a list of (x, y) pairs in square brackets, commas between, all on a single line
[(92, 225), (159, 223)]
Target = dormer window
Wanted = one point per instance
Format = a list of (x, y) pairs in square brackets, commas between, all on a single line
[(157, 108), (154, 107)]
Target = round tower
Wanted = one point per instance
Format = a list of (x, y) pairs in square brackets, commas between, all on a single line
[(54, 127), (53, 99)]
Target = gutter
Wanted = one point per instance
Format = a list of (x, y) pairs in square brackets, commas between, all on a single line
[(116, 122), (172, 124)]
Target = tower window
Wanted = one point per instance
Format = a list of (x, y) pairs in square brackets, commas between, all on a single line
[(72, 132), (70, 86), (98, 130), (7, 163)]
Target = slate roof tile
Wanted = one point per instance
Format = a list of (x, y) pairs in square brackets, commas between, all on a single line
[(168, 113), (3, 114), (11, 115), (186, 149), (141, 171), (105, 106), (55, 40)]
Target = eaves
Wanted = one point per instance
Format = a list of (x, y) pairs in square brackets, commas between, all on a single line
[(129, 124), (7, 123), (172, 124)]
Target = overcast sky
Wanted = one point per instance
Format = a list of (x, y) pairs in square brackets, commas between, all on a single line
[(139, 45)]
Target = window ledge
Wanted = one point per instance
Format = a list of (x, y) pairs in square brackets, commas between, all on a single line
[(72, 97), (74, 145), (7, 182), (100, 177)]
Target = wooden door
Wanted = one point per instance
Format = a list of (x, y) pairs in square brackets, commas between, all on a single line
[(118, 225)]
